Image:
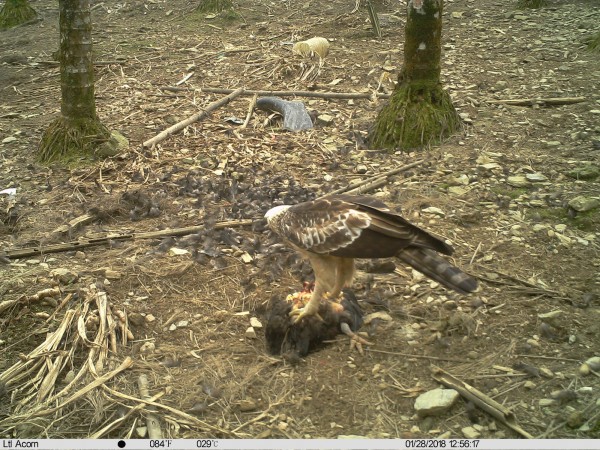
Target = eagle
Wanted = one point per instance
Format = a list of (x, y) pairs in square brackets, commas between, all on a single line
[(332, 231)]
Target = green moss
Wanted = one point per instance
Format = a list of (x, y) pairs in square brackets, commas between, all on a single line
[(214, 6), (593, 43), (16, 12), (531, 4), (68, 141), (513, 193), (585, 221), (417, 114)]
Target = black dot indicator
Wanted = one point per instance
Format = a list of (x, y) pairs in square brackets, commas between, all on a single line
[(121, 444)]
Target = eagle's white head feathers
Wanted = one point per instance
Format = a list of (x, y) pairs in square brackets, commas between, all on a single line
[(273, 212)]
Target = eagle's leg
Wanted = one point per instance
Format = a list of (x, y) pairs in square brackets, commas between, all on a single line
[(312, 307), (356, 341), (344, 275)]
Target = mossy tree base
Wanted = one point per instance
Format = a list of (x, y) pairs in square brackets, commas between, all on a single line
[(15, 13), (531, 4), (414, 117), (214, 6), (69, 140)]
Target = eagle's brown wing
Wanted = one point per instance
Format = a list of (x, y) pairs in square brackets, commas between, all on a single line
[(353, 227), (364, 227)]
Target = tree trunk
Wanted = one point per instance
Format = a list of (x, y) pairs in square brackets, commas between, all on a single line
[(78, 131), (16, 12), (419, 112)]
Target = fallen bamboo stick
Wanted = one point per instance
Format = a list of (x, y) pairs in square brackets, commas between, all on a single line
[(375, 179), (553, 101), (310, 94), (194, 118), (481, 400), (84, 243)]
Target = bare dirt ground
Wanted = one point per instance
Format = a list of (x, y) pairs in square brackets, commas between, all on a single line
[(502, 188)]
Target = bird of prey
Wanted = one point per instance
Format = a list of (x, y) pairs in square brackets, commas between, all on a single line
[(295, 340), (332, 231)]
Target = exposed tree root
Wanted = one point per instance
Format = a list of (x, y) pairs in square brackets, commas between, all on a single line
[(70, 139), (415, 117), (14, 13)]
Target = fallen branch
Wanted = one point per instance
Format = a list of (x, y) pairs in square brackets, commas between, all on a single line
[(194, 118), (410, 355), (481, 400), (311, 94), (250, 110), (556, 101), (360, 187), (84, 243)]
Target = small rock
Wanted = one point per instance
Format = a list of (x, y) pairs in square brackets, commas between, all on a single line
[(490, 166), (183, 323), (435, 402), (247, 404), (325, 119), (592, 363), (470, 433), (553, 144), (434, 210), (529, 384), (9, 139), (472, 355), (174, 251), (517, 181), (246, 258), (64, 276), (255, 323), (575, 419), (582, 203), (250, 333), (536, 177), (361, 169), (546, 402), (150, 318), (147, 348), (546, 373), (457, 190)]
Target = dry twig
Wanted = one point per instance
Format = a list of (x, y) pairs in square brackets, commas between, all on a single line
[(194, 118)]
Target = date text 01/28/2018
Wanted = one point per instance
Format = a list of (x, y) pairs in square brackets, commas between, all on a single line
[(441, 443)]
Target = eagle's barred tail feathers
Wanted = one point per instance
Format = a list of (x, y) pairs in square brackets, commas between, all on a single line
[(437, 268)]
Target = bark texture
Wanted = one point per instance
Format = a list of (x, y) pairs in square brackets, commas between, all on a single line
[(78, 131), (420, 111)]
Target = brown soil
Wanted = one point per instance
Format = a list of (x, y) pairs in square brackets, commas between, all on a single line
[(532, 254)]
